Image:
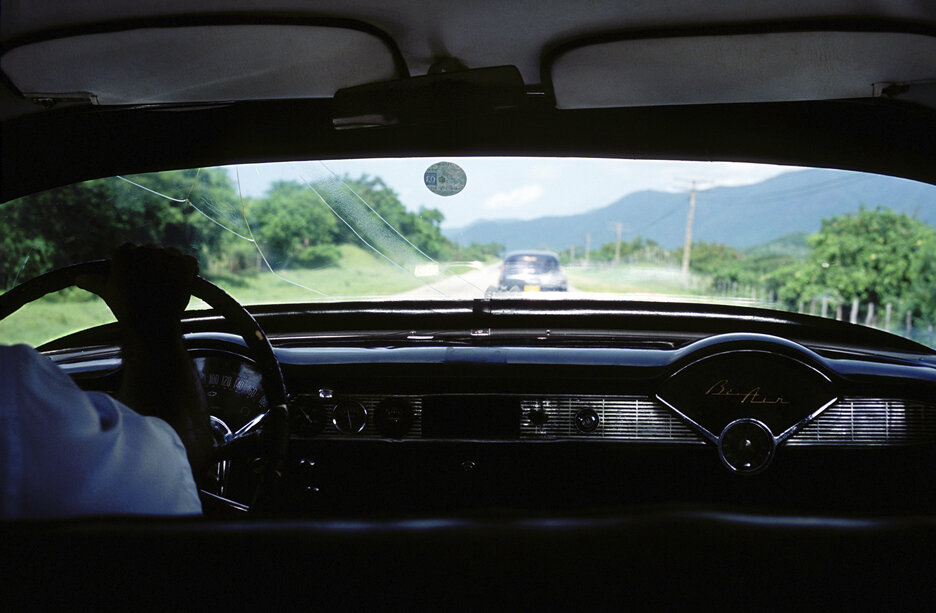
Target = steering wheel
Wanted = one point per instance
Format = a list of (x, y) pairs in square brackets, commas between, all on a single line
[(269, 439)]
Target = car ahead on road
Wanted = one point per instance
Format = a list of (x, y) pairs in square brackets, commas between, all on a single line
[(532, 271)]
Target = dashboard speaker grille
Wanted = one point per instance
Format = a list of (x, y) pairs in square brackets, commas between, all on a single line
[(630, 418), (870, 422)]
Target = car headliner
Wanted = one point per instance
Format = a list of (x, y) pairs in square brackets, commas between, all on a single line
[(45, 147), (480, 33)]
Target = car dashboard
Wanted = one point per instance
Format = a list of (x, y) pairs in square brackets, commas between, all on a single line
[(515, 410)]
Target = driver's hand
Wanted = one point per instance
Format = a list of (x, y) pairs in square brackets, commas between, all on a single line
[(147, 288)]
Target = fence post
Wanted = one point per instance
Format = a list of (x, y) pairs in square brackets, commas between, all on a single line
[(838, 311), (909, 323), (887, 317), (930, 330), (869, 318), (825, 306), (853, 316)]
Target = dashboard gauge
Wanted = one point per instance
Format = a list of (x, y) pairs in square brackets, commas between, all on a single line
[(393, 417), (349, 417), (233, 388), (307, 415)]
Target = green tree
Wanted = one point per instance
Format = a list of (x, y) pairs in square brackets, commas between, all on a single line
[(422, 228), (711, 258), (638, 244), (86, 221), (876, 256), (200, 200), (726, 265), (293, 226), (477, 251)]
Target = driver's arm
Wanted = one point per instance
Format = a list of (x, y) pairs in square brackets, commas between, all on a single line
[(148, 289)]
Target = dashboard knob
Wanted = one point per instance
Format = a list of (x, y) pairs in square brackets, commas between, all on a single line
[(586, 420), (538, 417), (746, 446), (307, 475)]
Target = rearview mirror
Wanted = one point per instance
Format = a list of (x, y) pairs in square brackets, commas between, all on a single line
[(431, 98)]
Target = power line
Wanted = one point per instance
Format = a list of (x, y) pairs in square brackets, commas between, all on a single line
[(662, 217), (804, 190), (807, 190)]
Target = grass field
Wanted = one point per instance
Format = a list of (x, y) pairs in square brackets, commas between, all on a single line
[(635, 279), (52, 317), (357, 274)]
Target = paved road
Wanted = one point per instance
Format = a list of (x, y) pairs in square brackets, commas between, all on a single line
[(474, 283), (470, 283)]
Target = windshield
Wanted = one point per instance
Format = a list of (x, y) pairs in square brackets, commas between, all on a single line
[(843, 245)]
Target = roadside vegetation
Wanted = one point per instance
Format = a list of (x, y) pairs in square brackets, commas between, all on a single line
[(636, 280), (873, 266)]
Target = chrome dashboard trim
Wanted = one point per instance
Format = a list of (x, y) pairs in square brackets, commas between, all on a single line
[(702, 431), (777, 439)]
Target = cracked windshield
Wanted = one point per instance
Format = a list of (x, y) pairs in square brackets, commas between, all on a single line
[(842, 245)]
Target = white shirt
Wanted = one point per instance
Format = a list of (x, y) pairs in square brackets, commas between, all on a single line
[(67, 453)]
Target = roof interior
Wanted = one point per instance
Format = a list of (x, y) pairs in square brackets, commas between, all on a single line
[(478, 33)]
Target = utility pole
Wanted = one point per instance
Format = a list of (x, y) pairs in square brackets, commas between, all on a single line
[(587, 247), (688, 244), (617, 244)]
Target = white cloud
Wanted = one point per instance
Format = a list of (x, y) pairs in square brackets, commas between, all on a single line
[(515, 198)]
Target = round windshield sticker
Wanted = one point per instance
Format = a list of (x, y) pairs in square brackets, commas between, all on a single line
[(445, 178)]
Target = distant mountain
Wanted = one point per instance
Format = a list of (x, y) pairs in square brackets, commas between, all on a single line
[(742, 216)]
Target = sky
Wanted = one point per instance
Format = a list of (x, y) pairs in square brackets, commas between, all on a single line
[(516, 188)]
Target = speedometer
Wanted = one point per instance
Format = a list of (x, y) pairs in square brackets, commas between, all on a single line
[(233, 388)]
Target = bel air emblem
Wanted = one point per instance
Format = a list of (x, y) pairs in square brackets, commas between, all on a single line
[(722, 387)]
